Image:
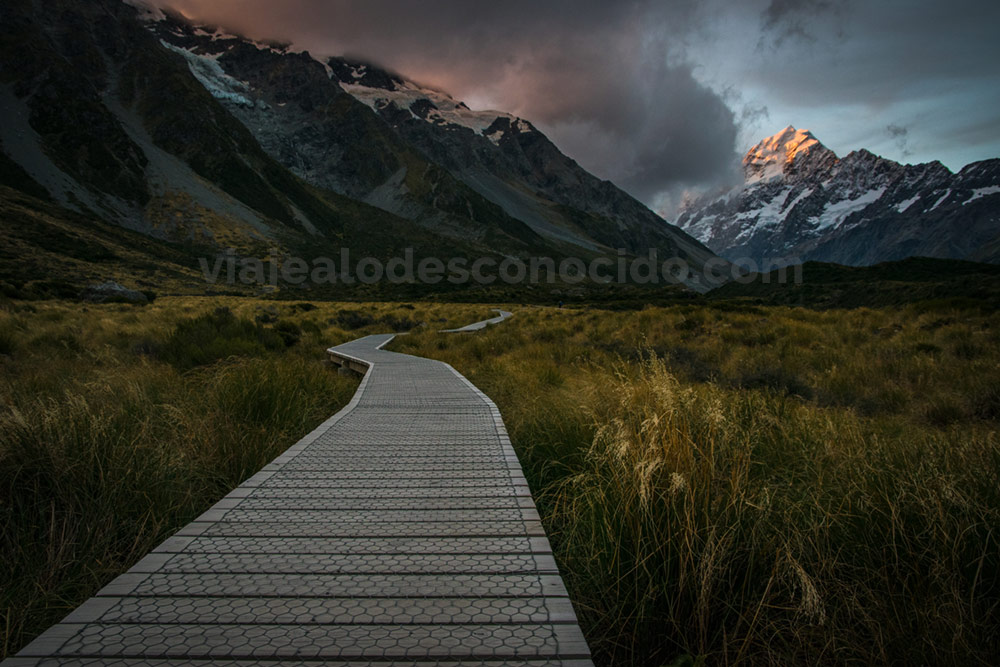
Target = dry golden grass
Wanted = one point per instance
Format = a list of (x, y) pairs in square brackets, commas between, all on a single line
[(749, 486), (778, 486), (112, 436)]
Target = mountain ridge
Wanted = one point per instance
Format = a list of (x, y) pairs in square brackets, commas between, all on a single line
[(504, 159), (860, 209), (191, 136)]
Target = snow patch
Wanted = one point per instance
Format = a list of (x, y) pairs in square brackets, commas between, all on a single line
[(947, 193), (768, 215), (210, 74), (836, 212), (701, 228), (216, 35), (795, 202), (148, 12), (279, 49), (903, 205), (448, 112), (979, 193)]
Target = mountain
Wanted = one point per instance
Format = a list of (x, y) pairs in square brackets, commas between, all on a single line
[(437, 160), (799, 200), (191, 136)]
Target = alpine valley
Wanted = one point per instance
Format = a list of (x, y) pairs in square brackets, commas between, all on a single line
[(799, 201), (134, 142)]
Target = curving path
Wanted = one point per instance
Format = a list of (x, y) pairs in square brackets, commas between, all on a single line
[(399, 532), (476, 326)]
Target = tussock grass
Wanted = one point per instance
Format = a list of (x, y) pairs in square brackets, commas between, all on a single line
[(120, 424), (778, 486), (759, 485)]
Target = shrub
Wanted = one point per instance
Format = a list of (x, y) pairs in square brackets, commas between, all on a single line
[(311, 327), (352, 319), (395, 324), (8, 341), (218, 335), (967, 349), (64, 343), (777, 379), (943, 412), (290, 332), (355, 319)]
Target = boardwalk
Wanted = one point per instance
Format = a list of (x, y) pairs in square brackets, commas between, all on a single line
[(399, 532), (476, 326)]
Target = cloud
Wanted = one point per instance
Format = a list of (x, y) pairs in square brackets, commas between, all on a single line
[(784, 20), (663, 96), (899, 136), (608, 82)]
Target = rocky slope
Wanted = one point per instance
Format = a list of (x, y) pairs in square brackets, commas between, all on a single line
[(416, 152), (188, 134), (799, 200), (103, 118)]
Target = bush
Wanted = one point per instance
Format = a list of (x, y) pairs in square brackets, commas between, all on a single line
[(8, 341), (352, 319), (203, 340), (776, 379), (290, 332), (928, 348), (943, 412), (64, 343), (355, 319)]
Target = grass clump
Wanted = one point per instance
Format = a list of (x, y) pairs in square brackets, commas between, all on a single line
[(744, 528), (217, 335), (8, 340)]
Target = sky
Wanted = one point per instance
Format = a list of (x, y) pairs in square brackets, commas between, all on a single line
[(663, 97)]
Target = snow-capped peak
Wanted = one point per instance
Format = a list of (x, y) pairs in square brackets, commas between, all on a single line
[(378, 88), (148, 12), (769, 158)]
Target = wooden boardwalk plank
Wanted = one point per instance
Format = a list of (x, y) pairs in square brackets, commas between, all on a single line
[(399, 532)]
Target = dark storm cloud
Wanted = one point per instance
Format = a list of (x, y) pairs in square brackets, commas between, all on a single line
[(664, 95), (848, 69), (787, 19), (878, 51), (607, 81)]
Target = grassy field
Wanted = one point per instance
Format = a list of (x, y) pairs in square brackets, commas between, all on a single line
[(119, 424), (723, 484), (760, 486)]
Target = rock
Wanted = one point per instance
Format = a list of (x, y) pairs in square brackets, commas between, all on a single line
[(112, 292)]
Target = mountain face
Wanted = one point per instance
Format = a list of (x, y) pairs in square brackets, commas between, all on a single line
[(799, 200), (188, 134), (434, 161)]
